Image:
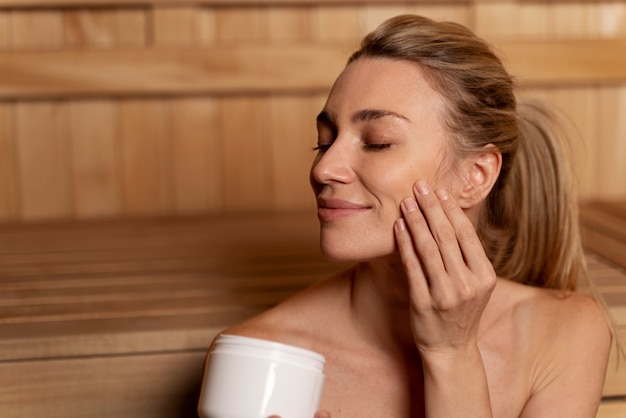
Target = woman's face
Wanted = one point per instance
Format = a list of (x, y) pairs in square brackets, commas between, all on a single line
[(380, 131)]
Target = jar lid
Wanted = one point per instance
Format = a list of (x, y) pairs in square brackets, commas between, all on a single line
[(269, 349)]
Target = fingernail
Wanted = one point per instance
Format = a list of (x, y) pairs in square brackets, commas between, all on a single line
[(422, 188), (443, 194), (400, 225), (409, 204)]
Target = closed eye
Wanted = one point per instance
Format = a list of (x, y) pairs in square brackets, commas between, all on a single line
[(321, 147), (376, 146)]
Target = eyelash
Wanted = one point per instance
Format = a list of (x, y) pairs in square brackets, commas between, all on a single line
[(377, 146), (321, 148), (369, 147)]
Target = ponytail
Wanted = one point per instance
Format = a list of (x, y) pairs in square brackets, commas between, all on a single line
[(530, 221)]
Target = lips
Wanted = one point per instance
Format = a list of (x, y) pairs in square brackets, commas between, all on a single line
[(330, 209)]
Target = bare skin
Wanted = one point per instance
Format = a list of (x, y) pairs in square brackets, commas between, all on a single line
[(371, 375), (421, 326)]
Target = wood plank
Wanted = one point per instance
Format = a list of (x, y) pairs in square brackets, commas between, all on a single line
[(96, 165), (611, 143), (612, 408), (150, 386), (115, 336), (255, 69), (5, 34), (42, 138), (603, 227), (70, 3), (289, 24), (222, 70), (565, 63), (372, 15), (533, 20), (49, 33), (340, 24), (9, 204), (89, 28), (580, 111), (231, 21), (247, 178), (197, 160), (200, 302), (174, 26), (293, 138), (131, 27), (146, 145), (263, 229), (206, 21), (453, 12), (611, 18)]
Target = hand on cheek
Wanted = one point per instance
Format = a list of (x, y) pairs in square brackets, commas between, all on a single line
[(450, 277)]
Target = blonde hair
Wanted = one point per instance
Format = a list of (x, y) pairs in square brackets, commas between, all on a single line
[(529, 222)]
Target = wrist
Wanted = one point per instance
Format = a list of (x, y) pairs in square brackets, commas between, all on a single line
[(466, 354)]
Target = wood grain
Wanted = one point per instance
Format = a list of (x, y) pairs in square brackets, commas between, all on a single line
[(146, 146), (197, 155), (247, 181), (245, 69), (96, 164), (166, 54), (174, 26), (611, 142), (5, 34), (130, 342), (59, 3), (43, 160), (160, 385), (86, 28), (258, 69), (8, 181), (293, 137), (49, 33)]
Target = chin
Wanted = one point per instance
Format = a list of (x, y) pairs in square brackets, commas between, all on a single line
[(355, 247)]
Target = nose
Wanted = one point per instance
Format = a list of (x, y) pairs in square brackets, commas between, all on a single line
[(333, 165)]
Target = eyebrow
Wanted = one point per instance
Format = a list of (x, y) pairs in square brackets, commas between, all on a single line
[(364, 115)]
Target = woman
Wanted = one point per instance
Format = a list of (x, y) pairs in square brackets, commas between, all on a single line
[(457, 206)]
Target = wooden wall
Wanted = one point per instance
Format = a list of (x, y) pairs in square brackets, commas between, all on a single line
[(147, 108)]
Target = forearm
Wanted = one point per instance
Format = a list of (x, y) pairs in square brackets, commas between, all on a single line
[(455, 385)]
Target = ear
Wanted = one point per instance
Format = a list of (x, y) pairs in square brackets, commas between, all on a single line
[(480, 172)]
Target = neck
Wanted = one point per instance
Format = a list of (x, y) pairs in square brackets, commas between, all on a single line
[(380, 304)]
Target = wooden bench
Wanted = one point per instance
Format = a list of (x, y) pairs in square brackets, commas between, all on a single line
[(102, 319), (604, 229), (603, 225)]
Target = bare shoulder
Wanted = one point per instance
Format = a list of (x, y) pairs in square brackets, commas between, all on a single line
[(303, 319), (566, 317), (566, 338), (577, 325), (555, 313)]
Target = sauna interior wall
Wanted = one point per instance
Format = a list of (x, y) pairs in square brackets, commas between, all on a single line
[(113, 157)]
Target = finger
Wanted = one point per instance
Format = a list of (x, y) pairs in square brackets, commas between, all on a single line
[(436, 284), (425, 246), (441, 229), (467, 238), (418, 282)]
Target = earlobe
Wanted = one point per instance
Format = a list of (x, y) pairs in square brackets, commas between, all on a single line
[(482, 172)]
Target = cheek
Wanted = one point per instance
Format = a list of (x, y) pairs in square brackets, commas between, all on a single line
[(397, 184)]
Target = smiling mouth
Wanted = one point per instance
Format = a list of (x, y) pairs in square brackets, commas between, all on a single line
[(328, 210)]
